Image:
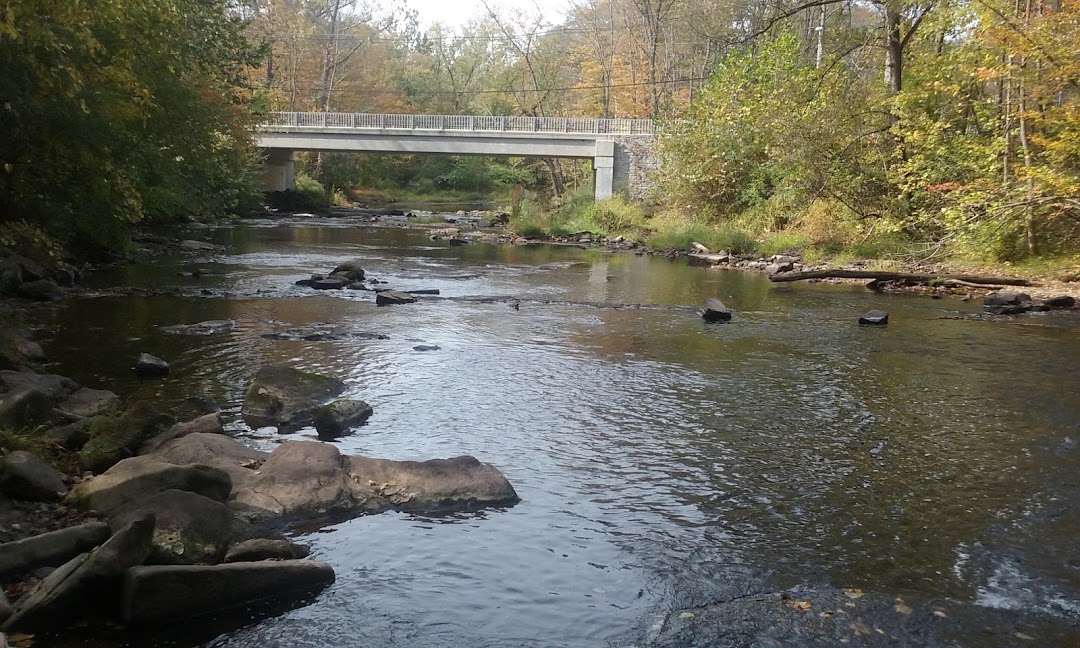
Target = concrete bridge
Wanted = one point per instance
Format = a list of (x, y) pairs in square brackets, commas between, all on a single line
[(622, 150)]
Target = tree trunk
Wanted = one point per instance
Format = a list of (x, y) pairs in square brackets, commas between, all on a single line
[(896, 276), (894, 49)]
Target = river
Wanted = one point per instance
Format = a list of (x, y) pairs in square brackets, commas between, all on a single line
[(662, 462)]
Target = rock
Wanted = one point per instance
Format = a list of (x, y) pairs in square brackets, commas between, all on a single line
[(392, 297), (426, 347), (350, 270), (50, 549), (154, 593), (140, 478), (18, 352), (698, 247), (307, 283), (198, 246), (41, 290), (265, 549), (56, 387), (874, 318), (337, 418), (209, 327), (1061, 302), (86, 585), (25, 407), (458, 483), (776, 268), (114, 439), (190, 529), (300, 477), (784, 259), (73, 436), (216, 450), (206, 424), (24, 476), (330, 283), (88, 402), (148, 366), (5, 612), (285, 397), (715, 311), (454, 242), (1007, 303)]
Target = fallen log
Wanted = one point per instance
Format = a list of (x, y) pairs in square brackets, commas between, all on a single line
[(896, 276)]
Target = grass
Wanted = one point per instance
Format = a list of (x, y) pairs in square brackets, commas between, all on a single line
[(577, 212)]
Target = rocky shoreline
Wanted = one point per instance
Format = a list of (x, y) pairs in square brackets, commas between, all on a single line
[(114, 513)]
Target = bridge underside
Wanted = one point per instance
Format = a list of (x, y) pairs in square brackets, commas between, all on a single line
[(282, 144)]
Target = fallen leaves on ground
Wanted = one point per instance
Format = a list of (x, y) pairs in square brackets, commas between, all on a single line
[(854, 593), (901, 607)]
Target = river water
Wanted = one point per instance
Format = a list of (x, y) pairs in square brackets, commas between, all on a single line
[(662, 462)]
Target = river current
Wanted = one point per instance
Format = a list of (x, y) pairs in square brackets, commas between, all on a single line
[(662, 462)]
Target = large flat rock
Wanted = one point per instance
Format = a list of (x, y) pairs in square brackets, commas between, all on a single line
[(51, 549)]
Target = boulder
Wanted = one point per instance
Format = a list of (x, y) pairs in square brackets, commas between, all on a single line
[(393, 297), (285, 397), (300, 478), (337, 418), (460, 482), (350, 270), (265, 549), (330, 283), (74, 436), (87, 402), (159, 592), (217, 450), (40, 290), (190, 529), (206, 424), (114, 439), (25, 407), (874, 318), (715, 311), (149, 366), (24, 476), (1060, 302), (209, 327), (1007, 303), (56, 387), (86, 585), (17, 351), (51, 549), (776, 268), (140, 478)]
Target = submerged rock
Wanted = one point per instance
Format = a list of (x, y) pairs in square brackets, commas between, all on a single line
[(265, 549), (874, 318), (330, 283), (337, 418), (715, 311), (393, 297), (148, 366), (154, 593), (209, 327), (285, 397)]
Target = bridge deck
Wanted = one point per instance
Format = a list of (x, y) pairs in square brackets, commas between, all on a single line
[(279, 121)]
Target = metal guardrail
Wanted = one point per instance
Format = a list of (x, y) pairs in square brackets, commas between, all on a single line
[(461, 123)]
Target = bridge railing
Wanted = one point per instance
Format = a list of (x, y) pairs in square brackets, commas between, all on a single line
[(466, 123)]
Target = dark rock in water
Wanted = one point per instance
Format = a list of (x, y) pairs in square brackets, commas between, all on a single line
[(425, 291), (308, 283), (25, 407), (1005, 299), (24, 476), (715, 311), (875, 318), (286, 397), (426, 347), (154, 593), (88, 402), (1061, 302), (41, 290), (330, 283), (139, 478), (778, 267), (337, 418), (148, 366), (190, 529), (51, 549), (265, 549), (436, 484), (87, 585), (209, 327), (458, 242), (350, 271), (114, 439), (357, 285), (392, 297)]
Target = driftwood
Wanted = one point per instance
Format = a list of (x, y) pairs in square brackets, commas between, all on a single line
[(897, 276)]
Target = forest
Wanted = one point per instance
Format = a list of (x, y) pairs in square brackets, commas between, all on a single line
[(922, 129)]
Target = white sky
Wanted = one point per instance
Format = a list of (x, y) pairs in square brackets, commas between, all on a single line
[(455, 13)]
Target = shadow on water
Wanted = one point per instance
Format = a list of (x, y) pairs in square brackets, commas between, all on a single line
[(662, 463)]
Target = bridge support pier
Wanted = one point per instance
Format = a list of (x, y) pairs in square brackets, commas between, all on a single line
[(280, 171), (604, 170)]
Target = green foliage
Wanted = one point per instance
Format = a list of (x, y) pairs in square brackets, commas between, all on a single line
[(312, 194), (121, 111), (576, 211), (784, 243)]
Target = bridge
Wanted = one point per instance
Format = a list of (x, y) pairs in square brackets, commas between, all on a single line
[(622, 150)]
